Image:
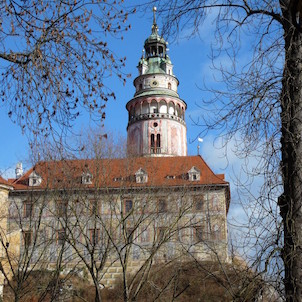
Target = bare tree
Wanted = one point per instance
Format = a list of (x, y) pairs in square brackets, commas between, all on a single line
[(25, 244), (55, 57), (260, 101)]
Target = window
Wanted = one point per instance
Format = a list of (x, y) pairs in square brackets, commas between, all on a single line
[(129, 234), (94, 209), (155, 144), (61, 237), (198, 204), (162, 206), (27, 209), (128, 206), (216, 233), (62, 208), (152, 141), (144, 235), (198, 234), (169, 84), (161, 233), (141, 176), (34, 179), (95, 236), (86, 178), (27, 238), (194, 174), (158, 140)]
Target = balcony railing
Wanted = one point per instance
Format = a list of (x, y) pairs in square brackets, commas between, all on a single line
[(155, 150)]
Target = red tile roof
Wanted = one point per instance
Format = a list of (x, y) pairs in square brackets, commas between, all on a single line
[(114, 173)]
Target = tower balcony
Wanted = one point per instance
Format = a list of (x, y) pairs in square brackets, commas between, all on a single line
[(148, 116)]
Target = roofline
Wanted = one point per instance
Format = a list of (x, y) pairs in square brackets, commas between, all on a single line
[(122, 188), (6, 186)]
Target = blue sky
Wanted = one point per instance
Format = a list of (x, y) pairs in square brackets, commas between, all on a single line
[(191, 66)]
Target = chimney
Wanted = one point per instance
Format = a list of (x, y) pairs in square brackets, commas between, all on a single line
[(19, 170)]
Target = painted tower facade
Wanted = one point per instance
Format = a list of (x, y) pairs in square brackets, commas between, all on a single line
[(156, 125)]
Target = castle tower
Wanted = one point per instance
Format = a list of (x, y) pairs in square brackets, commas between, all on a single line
[(156, 125)]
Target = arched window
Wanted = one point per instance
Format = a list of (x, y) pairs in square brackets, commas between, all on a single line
[(152, 141), (169, 86), (140, 86), (158, 141)]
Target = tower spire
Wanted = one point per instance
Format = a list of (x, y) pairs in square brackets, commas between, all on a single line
[(154, 25)]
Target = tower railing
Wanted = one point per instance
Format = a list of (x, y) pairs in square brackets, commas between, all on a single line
[(146, 116)]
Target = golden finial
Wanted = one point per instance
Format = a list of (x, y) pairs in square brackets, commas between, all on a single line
[(154, 11)]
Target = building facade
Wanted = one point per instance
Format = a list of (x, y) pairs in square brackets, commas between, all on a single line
[(121, 215)]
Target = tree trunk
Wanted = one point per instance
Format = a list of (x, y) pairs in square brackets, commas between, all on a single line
[(291, 147)]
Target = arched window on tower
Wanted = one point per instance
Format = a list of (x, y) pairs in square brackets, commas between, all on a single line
[(155, 144), (152, 143), (158, 143), (169, 86), (161, 51)]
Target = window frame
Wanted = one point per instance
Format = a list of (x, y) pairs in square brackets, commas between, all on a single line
[(27, 213), (161, 209), (127, 210), (161, 233), (198, 203), (94, 207), (95, 236), (61, 240), (198, 234), (27, 238), (62, 208), (130, 234)]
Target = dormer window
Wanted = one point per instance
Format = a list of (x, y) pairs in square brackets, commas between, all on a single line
[(34, 179), (87, 178), (194, 174), (141, 176)]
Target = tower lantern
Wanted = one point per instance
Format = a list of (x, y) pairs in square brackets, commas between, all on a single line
[(156, 125)]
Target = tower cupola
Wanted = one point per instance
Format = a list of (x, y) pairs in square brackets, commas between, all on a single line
[(156, 125), (155, 45)]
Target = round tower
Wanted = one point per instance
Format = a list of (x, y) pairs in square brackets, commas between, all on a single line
[(156, 125)]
